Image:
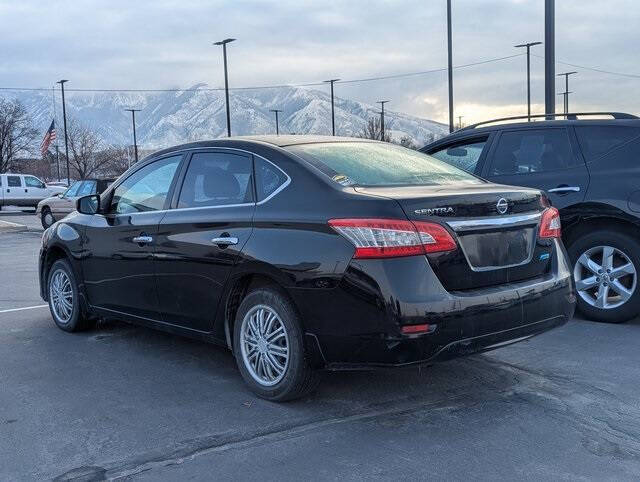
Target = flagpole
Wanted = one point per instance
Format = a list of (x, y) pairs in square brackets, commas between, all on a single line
[(53, 101)]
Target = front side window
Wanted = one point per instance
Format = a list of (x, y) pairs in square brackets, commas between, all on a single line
[(464, 156), (146, 189), (13, 181), (216, 179), (31, 181), (532, 150), (379, 164)]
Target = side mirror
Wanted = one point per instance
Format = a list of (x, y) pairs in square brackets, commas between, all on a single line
[(457, 152), (59, 194), (88, 204)]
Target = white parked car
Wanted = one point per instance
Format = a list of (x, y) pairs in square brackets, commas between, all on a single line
[(24, 190)]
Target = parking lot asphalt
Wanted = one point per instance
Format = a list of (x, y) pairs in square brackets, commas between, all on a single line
[(127, 402)]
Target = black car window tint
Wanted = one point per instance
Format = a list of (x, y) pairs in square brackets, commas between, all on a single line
[(146, 189), (216, 179), (268, 178), (379, 164), (13, 181), (596, 141), (533, 150), (464, 155)]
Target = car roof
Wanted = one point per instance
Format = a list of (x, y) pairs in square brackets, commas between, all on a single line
[(262, 140), (540, 124)]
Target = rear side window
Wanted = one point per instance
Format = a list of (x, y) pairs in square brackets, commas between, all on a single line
[(13, 181), (463, 155), (532, 150), (268, 178), (596, 141), (217, 179), (379, 164)]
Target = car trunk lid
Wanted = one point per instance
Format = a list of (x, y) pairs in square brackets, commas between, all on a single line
[(495, 227)]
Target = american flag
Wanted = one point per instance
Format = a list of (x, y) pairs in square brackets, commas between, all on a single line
[(49, 137)]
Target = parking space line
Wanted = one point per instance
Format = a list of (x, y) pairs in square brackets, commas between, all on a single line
[(23, 308), (10, 223)]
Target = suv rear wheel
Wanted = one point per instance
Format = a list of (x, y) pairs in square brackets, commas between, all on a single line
[(606, 264), (269, 348)]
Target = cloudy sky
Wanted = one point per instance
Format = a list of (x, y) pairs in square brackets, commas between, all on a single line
[(166, 43)]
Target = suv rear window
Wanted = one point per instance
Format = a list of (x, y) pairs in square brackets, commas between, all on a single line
[(598, 140), (379, 164)]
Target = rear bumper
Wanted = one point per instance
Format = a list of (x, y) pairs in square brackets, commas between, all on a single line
[(358, 325)]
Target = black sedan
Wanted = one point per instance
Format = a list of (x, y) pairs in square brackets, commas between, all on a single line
[(303, 253)]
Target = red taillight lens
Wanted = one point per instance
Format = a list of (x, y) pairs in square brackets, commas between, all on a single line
[(415, 329), (388, 238), (550, 224)]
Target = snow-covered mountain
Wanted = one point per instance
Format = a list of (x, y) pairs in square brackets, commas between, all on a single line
[(169, 118)]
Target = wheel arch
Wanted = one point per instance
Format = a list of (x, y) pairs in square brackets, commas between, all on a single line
[(583, 218), (238, 288), (53, 253)]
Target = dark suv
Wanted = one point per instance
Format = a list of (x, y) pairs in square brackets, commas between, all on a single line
[(590, 169)]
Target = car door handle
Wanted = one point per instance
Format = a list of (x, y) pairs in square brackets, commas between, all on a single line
[(565, 189), (143, 239), (225, 241)]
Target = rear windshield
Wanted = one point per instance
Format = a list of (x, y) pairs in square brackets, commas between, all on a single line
[(379, 164)]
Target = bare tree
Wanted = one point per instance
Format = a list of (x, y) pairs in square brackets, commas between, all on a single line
[(407, 141), (373, 130), (114, 160), (17, 133), (84, 147)]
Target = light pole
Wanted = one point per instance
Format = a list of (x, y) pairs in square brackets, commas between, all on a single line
[(333, 114), (135, 140), (528, 45), (460, 121), (549, 58), (566, 89), (276, 111), (450, 65), (382, 103), (66, 138), (226, 79)]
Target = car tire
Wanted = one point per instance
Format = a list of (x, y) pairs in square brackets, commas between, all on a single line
[(603, 296), (46, 218), (64, 300), (267, 327)]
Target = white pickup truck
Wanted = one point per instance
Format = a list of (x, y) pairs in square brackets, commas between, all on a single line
[(24, 190)]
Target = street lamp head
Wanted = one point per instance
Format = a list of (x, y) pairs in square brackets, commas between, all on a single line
[(331, 80), (528, 44), (62, 81), (225, 41), (381, 101), (567, 73)]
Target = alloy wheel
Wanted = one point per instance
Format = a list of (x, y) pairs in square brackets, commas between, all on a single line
[(61, 296), (605, 277), (264, 343)]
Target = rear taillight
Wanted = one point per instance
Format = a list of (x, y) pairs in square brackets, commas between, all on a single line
[(550, 224), (388, 238)]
